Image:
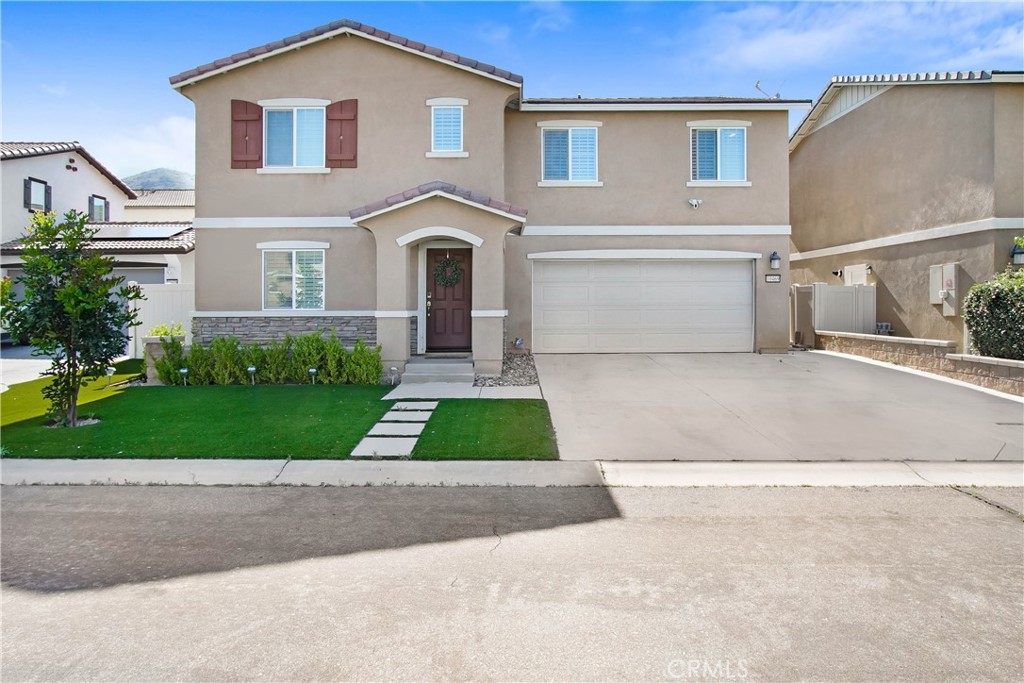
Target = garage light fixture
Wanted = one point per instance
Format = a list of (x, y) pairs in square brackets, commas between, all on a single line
[(775, 261)]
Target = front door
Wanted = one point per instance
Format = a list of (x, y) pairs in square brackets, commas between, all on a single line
[(449, 299)]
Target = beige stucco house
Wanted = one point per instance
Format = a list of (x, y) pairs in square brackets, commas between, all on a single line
[(355, 180), (913, 183)]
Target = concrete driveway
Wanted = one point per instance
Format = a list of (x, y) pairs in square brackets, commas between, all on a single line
[(800, 406), (17, 365)]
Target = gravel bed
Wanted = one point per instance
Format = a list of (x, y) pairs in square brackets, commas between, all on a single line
[(517, 370)]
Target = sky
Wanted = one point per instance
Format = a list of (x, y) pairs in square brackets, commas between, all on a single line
[(97, 72)]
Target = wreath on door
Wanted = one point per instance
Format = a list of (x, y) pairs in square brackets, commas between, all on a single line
[(447, 272)]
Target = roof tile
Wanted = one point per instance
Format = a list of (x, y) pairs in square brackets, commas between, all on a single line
[(436, 186)]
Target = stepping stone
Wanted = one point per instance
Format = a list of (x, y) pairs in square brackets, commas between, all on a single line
[(383, 447), (396, 429), (415, 405), (406, 416)]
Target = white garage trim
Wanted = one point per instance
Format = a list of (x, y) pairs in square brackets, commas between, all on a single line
[(646, 254), (650, 304)]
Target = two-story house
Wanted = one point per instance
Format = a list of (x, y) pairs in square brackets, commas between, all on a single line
[(351, 179), (913, 183)]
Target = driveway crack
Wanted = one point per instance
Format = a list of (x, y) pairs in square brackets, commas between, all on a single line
[(278, 475), (919, 475), (495, 530), (987, 501)]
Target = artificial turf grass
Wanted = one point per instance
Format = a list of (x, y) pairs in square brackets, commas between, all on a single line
[(297, 421), (25, 401), (483, 429)]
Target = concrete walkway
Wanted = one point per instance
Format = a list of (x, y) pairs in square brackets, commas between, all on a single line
[(504, 473)]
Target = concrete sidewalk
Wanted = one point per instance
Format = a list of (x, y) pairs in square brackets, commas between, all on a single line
[(504, 473)]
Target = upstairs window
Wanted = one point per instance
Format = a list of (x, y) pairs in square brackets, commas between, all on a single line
[(293, 279), (38, 195), (294, 137), (446, 127), (718, 154), (569, 154), (99, 209)]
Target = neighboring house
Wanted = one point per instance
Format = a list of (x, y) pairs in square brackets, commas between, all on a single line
[(380, 187), (161, 205), (55, 176), (913, 183)]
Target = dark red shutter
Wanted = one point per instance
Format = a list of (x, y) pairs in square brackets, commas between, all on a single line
[(246, 134), (342, 138), (49, 199), (28, 194)]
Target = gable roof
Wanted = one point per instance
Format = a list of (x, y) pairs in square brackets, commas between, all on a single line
[(875, 84), (177, 237), (22, 150), (162, 198), (434, 189), (336, 28)]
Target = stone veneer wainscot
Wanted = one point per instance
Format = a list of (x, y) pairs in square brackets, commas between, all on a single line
[(263, 330)]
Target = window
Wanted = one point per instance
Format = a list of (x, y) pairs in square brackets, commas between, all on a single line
[(38, 195), (99, 209), (293, 279), (569, 155), (446, 132), (718, 154), (294, 137)]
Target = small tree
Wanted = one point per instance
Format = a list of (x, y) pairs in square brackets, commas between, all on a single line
[(75, 310)]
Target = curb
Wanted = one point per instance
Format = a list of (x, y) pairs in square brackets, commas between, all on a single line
[(105, 472)]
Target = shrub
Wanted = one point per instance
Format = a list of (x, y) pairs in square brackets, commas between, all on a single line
[(335, 358), (364, 366), (277, 360), (172, 330), (994, 315), (168, 368), (228, 366), (308, 352), (200, 365)]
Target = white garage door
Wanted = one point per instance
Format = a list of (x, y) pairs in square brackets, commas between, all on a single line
[(642, 306)]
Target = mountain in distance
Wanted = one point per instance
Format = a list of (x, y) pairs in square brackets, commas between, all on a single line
[(161, 179)]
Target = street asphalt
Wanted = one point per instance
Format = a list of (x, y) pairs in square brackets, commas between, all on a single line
[(521, 583)]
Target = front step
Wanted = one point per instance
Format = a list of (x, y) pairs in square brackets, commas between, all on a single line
[(431, 370)]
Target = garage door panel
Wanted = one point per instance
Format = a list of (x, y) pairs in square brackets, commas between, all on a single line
[(643, 307)]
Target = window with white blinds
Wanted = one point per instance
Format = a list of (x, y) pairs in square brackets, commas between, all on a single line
[(294, 137), (447, 129), (293, 279), (569, 154), (718, 154)]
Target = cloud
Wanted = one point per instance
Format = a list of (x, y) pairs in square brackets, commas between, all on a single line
[(493, 34), (549, 15), (55, 89), (170, 143)]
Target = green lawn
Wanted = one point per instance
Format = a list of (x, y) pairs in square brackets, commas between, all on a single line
[(473, 429), (302, 422)]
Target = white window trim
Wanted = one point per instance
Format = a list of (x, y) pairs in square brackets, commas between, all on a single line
[(459, 104), (704, 182), (292, 102), (549, 125), (321, 168), (263, 279), (447, 102)]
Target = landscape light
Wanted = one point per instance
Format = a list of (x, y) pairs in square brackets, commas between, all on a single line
[(312, 373), (184, 375), (252, 374), (110, 373)]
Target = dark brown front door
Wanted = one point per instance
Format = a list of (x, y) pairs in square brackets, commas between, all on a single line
[(449, 324)]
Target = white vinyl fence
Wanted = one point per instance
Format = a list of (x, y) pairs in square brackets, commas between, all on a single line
[(164, 304), (833, 308)]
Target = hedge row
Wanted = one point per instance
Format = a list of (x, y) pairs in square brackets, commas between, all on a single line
[(994, 315), (226, 361)]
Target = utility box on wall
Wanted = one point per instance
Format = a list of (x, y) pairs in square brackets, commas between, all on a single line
[(942, 287)]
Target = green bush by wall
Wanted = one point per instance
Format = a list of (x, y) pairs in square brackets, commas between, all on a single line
[(994, 315)]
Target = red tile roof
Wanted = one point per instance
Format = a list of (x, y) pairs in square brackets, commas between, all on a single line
[(437, 186), (181, 240), (20, 150), (341, 26)]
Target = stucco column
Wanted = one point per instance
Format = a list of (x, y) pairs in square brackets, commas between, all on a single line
[(488, 300), (394, 280)]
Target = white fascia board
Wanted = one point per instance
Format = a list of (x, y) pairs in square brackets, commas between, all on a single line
[(275, 222), (286, 313), (664, 107), (911, 237), (446, 195), (653, 230), (293, 244), (1008, 78), (645, 254), (330, 36)]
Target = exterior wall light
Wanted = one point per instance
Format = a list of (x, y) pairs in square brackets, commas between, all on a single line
[(775, 261), (1017, 254), (252, 373)]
